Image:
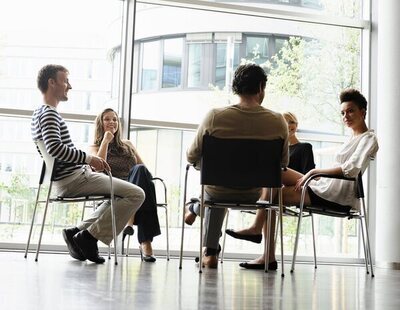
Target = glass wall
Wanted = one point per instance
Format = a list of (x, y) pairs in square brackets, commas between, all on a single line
[(87, 45), (19, 175), (66, 38), (182, 68), (306, 71), (306, 68)]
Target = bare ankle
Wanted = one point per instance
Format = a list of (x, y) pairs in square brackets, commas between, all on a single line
[(256, 230), (146, 247)]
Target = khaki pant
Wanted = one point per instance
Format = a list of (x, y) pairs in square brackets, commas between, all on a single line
[(128, 199)]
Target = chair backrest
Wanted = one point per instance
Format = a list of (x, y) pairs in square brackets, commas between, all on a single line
[(49, 163), (360, 186), (241, 162)]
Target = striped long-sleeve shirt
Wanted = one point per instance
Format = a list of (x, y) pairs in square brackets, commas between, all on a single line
[(48, 125)]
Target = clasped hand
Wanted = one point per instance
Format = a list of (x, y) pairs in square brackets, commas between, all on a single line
[(300, 182), (99, 164)]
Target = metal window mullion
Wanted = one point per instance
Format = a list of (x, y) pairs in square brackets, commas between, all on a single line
[(263, 12), (126, 64)]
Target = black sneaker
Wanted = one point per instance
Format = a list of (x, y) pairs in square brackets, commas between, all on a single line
[(88, 245), (74, 251)]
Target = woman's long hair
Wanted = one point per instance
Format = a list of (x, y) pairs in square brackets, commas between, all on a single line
[(99, 133)]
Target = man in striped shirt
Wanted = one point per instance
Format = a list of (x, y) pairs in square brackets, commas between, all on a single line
[(74, 175)]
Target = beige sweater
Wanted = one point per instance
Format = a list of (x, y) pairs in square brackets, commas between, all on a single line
[(237, 122)]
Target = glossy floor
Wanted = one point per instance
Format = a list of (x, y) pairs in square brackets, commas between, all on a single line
[(58, 282)]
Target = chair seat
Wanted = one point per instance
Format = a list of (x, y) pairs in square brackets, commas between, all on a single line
[(78, 199), (344, 211), (260, 204)]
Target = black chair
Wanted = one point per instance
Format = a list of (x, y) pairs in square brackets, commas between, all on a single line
[(238, 163), (47, 175), (344, 212)]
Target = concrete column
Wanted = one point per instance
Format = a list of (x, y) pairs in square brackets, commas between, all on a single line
[(387, 252)]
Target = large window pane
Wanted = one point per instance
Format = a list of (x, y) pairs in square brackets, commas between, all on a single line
[(150, 65), (29, 41), (20, 166), (194, 65), (172, 63), (86, 44), (257, 49), (306, 68), (221, 63)]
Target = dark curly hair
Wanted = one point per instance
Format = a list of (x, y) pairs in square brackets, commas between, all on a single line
[(46, 73), (248, 78), (354, 96)]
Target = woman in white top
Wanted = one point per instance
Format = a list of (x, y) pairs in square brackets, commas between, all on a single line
[(350, 160)]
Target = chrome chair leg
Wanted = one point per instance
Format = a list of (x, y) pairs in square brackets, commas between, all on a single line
[(281, 228), (183, 216), (296, 240), (114, 225), (277, 230), (224, 238), (127, 246), (167, 231), (266, 241), (368, 249), (166, 228), (368, 257), (32, 222), (201, 230), (313, 236), (43, 223)]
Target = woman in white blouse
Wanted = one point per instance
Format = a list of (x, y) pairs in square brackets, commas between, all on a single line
[(352, 158)]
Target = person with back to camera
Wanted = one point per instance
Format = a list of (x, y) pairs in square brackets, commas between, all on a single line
[(74, 176), (126, 164), (352, 158), (246, 119), (301, 159)]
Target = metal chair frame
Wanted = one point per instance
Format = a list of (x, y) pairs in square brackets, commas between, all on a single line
[(48, 175), (163, 205), (286, 212), (350, 214), (261, 160)]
